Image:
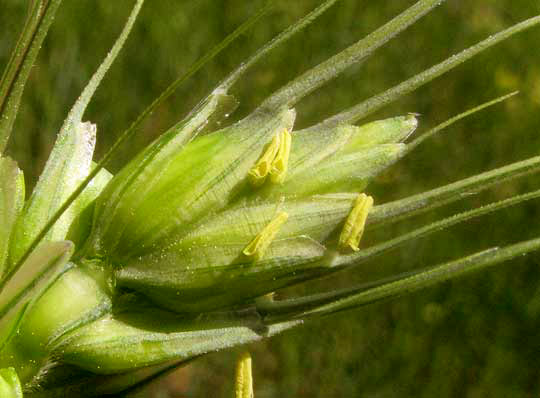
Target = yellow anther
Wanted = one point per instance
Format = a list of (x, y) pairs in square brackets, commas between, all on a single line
[(257, 247), (354, 225), (280, 163), (244, 379), (258, 173)]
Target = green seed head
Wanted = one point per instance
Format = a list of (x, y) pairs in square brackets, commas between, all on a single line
[(116, 278), (240, 212)]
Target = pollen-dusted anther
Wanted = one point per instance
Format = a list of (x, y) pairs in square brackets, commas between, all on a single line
[(274, 160), (259, 172), (278, 171), (244, 378), (354, 225), (257, 247)]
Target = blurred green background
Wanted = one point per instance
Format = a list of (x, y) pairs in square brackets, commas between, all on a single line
[(474, 337)]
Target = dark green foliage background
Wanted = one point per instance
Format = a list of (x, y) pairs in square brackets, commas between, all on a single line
[(475, 337)]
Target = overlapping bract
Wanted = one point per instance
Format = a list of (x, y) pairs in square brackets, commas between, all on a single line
[(177, 233)]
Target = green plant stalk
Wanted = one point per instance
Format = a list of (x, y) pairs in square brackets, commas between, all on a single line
[(376, 102), (73, 150), (330, 303), (401, 209), (40, 17), (329, 69)]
